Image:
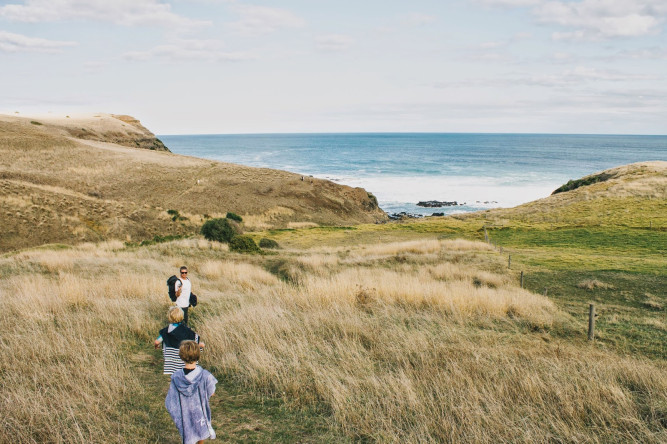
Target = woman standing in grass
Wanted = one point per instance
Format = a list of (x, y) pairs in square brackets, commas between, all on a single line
[(188, 397), (171, 337)]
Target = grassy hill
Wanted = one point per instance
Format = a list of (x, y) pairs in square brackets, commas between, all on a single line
[(416, 331), (63, 182)]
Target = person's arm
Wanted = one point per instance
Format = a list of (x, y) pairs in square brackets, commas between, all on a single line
[(158, 342), (179, 287)]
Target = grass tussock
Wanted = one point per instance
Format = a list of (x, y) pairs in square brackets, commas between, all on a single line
[(594, 284)]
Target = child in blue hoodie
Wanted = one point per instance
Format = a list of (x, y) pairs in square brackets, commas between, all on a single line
[(188, 397)]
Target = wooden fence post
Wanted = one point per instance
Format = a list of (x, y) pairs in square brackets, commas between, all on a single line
[(522, 279), (591, 322), (509, 261)]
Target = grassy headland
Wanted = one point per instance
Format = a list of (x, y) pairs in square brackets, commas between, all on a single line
[(72, 180)]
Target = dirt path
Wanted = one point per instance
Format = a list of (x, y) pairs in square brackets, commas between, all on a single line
[(238, 416)]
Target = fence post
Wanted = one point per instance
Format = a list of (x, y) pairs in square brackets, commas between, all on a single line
[(522, 279), (591, 322), (486, 235), (509, 261), (545, 291)]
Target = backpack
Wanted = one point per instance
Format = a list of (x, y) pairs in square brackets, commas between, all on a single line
[(193, 300), (171, 286)]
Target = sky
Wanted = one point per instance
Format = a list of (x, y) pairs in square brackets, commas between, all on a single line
[(292, 66)]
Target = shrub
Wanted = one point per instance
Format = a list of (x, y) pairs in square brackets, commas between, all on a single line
[(175, 215), (268, 243), (220, 230), (589, 180), (243, 244), (234, 216)]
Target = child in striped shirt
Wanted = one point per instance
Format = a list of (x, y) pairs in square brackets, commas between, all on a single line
[(171, 337)]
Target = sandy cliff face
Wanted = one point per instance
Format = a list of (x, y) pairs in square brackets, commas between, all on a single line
[(86, 178)]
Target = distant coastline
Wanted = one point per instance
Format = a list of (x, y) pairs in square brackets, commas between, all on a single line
[(481, 171)]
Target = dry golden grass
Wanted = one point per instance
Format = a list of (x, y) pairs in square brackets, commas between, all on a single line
[(592, 284), (411, 342), (64, 191), (65, 377)]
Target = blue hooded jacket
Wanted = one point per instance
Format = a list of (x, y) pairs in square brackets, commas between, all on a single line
[(188, 404)]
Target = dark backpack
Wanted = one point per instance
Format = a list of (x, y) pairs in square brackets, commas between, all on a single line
[(171, 285), (193, 300)]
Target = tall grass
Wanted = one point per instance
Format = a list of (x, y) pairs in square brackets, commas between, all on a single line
[(64, 368), (432, 355), (425, 341)]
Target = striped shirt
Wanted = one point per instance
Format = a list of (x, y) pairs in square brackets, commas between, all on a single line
[(171, 338)]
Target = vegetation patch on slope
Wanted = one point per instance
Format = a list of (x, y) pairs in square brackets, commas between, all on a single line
[(588, 180)]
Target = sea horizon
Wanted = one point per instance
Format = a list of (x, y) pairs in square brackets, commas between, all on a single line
[(476, 170)]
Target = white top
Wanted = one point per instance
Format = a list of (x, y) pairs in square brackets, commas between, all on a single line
[(183, 300)]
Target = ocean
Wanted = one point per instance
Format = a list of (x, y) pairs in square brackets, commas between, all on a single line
[(477, 171)]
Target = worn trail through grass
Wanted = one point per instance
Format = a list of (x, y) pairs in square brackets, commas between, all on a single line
[(238, 416)]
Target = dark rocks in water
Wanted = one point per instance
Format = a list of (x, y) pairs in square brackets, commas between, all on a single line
[(404, 215), (436, 204), (437, 214)]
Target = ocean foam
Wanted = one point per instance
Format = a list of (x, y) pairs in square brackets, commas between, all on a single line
[(478, 192)]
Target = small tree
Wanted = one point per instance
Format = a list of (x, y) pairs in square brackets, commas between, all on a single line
[(243, 244), (220, 230)]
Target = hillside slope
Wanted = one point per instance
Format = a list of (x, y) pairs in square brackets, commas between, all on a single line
[(58, 187), (629, 195)]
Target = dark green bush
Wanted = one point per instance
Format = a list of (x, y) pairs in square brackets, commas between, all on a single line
[(574, 184), (175, 215), (243, 244), (220, 230), (234, 216), (268, 243)]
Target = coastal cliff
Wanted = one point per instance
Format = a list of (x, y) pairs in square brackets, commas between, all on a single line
[(70, 179)]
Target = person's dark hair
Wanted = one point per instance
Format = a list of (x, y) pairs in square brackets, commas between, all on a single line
[(189, 352)]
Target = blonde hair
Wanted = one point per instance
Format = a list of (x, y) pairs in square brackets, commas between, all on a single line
[(175, 315), (189, 352)]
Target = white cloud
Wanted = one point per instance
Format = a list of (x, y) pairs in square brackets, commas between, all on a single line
[(10, 42), (334, 42), (579, 76), (596, 19), (189, 49), (122, 12), (419, 19), (260, 20), (508, 3)]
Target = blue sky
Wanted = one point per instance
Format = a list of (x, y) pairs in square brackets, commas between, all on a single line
[(225, 66)]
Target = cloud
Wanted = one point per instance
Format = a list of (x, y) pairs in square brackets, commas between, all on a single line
[(20, 43), (334, 42), (603, 18), (419, 19), (189, 49), (508, 3), (260, 20), (122, 12), (594, 19), (576, 77)]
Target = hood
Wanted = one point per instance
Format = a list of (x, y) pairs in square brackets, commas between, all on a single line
[(187, 384)]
